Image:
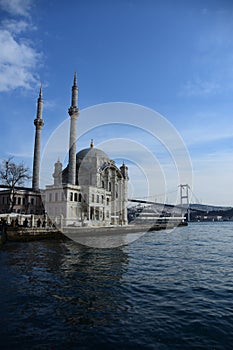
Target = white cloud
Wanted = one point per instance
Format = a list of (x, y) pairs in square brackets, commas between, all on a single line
[(19, 59), (17, 63), (14, 26), (16, 7)]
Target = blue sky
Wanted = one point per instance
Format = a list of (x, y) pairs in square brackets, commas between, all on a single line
[(175, 57)]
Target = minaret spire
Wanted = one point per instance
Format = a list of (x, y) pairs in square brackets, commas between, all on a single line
[(74, 99), (38, 122), (73, 112), (75, 79)]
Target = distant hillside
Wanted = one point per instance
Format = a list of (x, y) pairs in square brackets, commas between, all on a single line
[(210, 211), (226, 214), (209, 208)]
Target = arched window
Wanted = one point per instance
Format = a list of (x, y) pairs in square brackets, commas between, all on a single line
[(71, 196), (80, 197), (110, 186), (102, 184), (76, 197)]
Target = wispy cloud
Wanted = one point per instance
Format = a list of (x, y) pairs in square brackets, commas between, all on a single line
[(16, 7), (19, 58), (211, 64), (205, 135), (198, 87), (212, 183), (14, 26)]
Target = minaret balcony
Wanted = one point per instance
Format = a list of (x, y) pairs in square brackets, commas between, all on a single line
[(73, 111), (38, 122)]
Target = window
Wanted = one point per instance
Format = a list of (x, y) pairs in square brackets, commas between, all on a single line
[(97, 199), (110, 186), (93, 198), (32, 201), (76, 197), (80, 197), (56, 197), (102, 184), (71, 196), (107, 201), (102, 199), (50, 197), (23, 201), (19, 200)]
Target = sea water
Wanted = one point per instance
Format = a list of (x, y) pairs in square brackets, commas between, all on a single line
[(166, 290)]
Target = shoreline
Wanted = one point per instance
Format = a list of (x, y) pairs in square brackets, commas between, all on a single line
[(22, 234)]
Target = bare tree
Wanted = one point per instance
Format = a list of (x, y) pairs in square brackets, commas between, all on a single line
[(12, 175)]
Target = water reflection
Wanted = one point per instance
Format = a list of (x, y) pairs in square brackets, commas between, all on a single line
[(58, 287)]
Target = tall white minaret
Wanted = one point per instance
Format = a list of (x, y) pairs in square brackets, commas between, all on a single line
[(38, 122), (73, 112)]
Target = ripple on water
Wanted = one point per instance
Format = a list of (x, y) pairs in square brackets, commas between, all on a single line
[(164, 291)]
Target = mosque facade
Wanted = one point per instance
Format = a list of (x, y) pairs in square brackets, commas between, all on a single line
[(91, 190)]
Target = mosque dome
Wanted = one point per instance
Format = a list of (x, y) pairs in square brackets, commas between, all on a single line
[(87, 160), (91, 152)]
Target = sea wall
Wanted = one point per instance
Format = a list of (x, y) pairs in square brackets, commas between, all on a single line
[(22, 234), (25, 234)]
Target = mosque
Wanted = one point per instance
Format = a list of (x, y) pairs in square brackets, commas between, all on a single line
[(91, 190)]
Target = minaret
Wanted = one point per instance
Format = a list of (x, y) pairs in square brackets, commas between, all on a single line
[(73, 112), (38, 122)]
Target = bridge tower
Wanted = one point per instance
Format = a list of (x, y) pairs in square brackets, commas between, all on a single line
[(184, 197)]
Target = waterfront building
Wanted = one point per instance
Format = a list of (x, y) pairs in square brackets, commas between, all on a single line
[(26, 201), (91, 190)]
